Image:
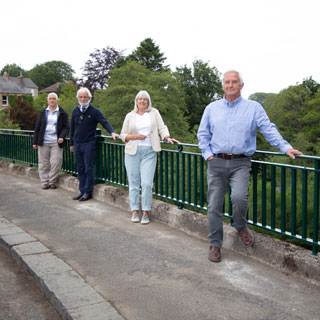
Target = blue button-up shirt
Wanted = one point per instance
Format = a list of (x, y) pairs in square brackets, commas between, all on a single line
[(231, 127)]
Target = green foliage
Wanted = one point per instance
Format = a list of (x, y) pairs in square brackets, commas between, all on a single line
[(40, 102), (5, 122), (288, 110), (48, 73), (296, 112), (202, 85), (147, 54), (265, 99), (13, 100), (13, 70), (166, 95), (23, 113), (67, 98)]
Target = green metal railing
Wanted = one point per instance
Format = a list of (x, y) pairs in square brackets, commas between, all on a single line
[(283, 198)]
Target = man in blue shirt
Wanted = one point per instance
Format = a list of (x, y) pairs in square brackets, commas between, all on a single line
[(227, 139), (84, 120)]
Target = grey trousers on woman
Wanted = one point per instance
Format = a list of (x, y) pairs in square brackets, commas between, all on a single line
[(50, 161), (220, 172)]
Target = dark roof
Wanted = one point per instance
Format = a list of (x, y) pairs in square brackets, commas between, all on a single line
[(53, 88), (13, 85)]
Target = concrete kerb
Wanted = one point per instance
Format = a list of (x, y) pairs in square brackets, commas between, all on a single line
[(276, 253), (67, 291)]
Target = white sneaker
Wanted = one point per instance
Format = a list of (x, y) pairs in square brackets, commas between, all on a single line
[(135, 217), (145, 219)]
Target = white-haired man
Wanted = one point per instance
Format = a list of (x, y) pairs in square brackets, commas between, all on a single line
[(84, 120), (227, 139)]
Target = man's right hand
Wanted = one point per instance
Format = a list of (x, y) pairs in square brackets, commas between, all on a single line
[(210, 158), (71, 148)]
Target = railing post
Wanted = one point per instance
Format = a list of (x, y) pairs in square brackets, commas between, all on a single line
[(98, 156), (315, 238)]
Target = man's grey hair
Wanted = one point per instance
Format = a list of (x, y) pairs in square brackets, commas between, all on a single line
[(142, 94), (84, 90), (52, 94), (233, 71)]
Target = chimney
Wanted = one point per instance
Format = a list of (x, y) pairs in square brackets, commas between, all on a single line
[(5, 75), (20, 78)]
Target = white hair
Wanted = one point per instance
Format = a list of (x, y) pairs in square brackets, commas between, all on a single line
[(233, 71), (52, 94), (83, 89), (142, 94)]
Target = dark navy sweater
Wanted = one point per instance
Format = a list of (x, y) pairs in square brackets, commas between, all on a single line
[(83, 125)]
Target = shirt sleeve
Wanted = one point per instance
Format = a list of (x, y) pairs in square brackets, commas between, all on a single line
[(270, 131), (205, 135)]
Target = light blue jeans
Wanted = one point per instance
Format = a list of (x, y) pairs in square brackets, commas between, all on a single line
[(220, 172), (140, 170)]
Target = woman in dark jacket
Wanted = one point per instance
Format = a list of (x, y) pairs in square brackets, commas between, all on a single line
[(49, 139)]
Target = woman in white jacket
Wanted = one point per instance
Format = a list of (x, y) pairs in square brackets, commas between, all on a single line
[(141, 131)]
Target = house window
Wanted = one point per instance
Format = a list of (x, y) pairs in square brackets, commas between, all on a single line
[(32, 92), (4, 101)]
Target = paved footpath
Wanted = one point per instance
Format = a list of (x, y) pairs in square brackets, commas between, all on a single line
[(130, 271)]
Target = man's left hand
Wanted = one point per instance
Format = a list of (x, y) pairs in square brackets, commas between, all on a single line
[(291, 152), (115, 135)]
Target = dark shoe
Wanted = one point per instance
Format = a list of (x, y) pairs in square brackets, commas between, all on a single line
[(214, 254), (52, 186), (246, 237), (86, 197), (77, 197), (45, 186)]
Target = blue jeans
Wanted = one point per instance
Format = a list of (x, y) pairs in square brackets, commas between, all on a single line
[(220, 172), (84, 154), (140, 170)]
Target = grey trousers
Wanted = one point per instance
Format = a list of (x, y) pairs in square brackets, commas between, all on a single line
[(50, 161), (220, 172)]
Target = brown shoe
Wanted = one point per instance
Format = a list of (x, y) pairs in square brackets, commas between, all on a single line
[(214, 254), (45, 186), (52, 186), (246, 237)]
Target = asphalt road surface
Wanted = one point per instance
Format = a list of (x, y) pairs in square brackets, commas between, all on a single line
[(153, 272), (20, 298)]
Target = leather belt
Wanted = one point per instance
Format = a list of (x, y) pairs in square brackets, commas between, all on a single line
[(229, 156)]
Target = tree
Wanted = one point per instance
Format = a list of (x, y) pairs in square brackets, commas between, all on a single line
[(312, 85), (96, 70), (288, 110), (13, 70), (265, 99), (202, 85), (166, 95), (295, 111), (5, 122), (40, 102), (23, 113), (48, 73), (67, 97), (147, 54)]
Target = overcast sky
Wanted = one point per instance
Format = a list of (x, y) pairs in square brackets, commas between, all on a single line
[(273, 43)]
